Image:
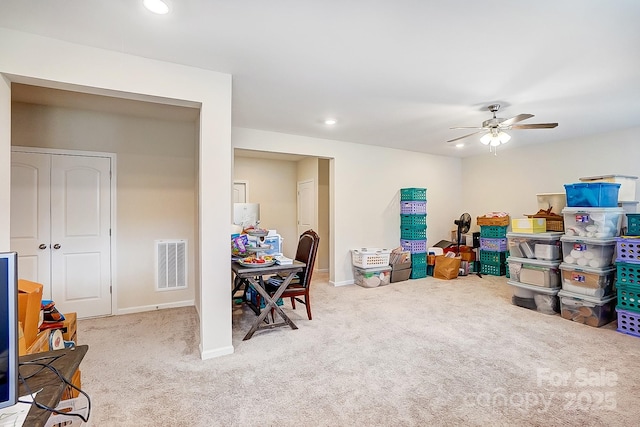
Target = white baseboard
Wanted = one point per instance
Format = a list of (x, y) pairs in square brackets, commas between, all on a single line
[(154, 307), (210, 354), (343, 283)]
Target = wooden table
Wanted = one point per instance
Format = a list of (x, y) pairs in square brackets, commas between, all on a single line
[(50, 386), (251, 273)]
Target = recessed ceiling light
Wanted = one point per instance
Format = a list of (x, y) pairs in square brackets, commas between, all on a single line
[(330, 122), (460, 145), (156, 6)]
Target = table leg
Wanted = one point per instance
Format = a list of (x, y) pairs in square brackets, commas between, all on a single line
[(271, 303)]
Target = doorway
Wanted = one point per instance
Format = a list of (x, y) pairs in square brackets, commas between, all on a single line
[(61, 223)]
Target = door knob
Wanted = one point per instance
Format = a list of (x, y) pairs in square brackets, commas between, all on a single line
[(42, 246), (56, 246)]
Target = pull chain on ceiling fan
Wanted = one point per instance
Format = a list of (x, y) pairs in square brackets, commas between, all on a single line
[(494, 128)]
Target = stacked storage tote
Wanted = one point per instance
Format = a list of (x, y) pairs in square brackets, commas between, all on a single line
[(628, 277), (534, 258), (493, 244), (413, 228), (592, 221)]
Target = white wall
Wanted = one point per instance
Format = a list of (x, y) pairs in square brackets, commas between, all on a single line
[(365, 185), (322, 260), (272, 183), (35, 60), (156, 187), (5, 163), (510, 181)]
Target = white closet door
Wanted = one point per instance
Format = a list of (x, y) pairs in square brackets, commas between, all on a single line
[(30, 225), (80, 234), (306, 206)]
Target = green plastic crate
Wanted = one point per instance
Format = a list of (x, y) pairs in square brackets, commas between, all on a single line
[(418, 194), (418, 272), (418, 260), (633, 224), (493, 269), (410, 221), (413, 233), (491, 257), (493, 231), (628, 297)]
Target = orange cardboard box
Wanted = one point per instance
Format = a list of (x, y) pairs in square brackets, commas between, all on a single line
[(70, 325), (41, 343), (22, 347), (29, 305), (70, 392)]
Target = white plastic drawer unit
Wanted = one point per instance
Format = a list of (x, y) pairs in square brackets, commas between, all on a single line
[(535, 272), (543, 246), (588, 252), (599, 223)]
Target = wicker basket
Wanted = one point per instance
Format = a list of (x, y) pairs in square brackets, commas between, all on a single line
[(500, 221), (554, 222)]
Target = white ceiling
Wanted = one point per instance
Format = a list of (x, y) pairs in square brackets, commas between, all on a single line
[(393, 73)]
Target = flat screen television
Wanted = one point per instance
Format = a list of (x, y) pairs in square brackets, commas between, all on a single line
[(8, 329)]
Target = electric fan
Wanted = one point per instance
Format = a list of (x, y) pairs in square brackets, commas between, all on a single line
[(464, 223)]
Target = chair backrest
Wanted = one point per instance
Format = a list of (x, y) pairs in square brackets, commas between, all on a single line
[(306, 252)]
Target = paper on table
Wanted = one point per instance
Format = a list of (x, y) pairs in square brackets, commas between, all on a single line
[(14, 416), (282, 260)]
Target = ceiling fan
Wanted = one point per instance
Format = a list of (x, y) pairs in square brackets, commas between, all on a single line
[(494, 128)]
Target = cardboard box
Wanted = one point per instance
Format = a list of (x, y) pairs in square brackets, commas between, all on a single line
[(70, 327), (70, 393), (529, 225), (29, 307), (22, 346), (41, 343)]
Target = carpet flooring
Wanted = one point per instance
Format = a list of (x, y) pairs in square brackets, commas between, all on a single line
[(422, 352)]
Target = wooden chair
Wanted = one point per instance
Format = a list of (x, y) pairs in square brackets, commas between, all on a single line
[(298, 290)]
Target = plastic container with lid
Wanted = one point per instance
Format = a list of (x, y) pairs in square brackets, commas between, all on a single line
[(592, 194), (545, 246), (591, 311), (595, 282), (544, 300), (627, 183), (598, 223), (588, 252), (534, 272), (372, 277)]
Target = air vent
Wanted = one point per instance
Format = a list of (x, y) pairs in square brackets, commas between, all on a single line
[(171, 264)]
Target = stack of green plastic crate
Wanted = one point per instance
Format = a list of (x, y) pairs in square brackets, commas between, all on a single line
[(413, 228), (628, 277), (493, 250)]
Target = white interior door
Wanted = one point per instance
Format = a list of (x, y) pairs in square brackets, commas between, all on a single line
[(240, 192), (306, 206), (30, 225), (60, 225), (80, 228)]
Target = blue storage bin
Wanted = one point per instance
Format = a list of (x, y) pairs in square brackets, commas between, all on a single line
[(592, 194)]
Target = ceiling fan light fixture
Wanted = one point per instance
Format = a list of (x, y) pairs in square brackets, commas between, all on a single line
[(504, 137), (495, 138)]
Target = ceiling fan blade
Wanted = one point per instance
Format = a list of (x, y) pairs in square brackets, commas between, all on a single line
[(535, 126), (515, 119), (468, 127), (466, 136)]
